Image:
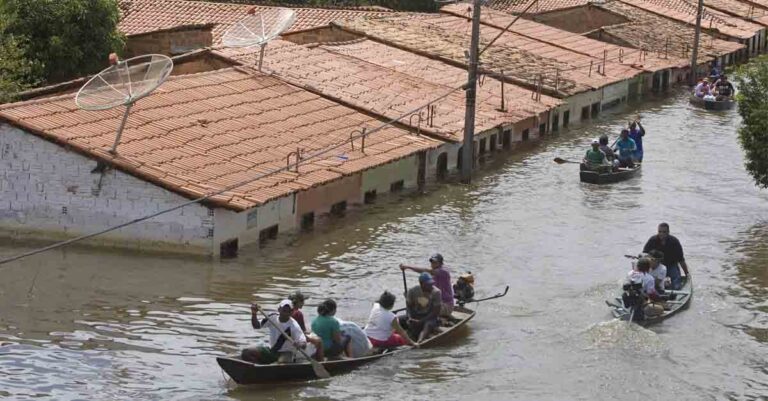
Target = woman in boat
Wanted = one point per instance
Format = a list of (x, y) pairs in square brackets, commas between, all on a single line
[(652, 306), (328, 328), (383, 328)]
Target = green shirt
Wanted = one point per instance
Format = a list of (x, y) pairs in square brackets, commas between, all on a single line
[(325, 327), (595, 156)]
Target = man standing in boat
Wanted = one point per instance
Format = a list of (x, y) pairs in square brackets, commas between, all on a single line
[(724, 88), (442, 279), (279, 350), (637, 132), (674, 258)]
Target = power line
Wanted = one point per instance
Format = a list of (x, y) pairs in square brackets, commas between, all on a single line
[(231, 187)]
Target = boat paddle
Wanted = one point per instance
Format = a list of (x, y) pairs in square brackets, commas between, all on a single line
[(316, 366), (499, 295), (562, 161)]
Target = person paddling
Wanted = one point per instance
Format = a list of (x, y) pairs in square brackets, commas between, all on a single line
[(442, 279), (279, 350), (637, 132)]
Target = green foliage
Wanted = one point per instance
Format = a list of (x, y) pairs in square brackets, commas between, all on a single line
[(14, 69), (59, 39), (752, 80)]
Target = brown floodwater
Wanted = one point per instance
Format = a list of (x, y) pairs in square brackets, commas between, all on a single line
[(82, 323)]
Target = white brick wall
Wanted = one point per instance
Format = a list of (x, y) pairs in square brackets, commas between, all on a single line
[(39, 179)]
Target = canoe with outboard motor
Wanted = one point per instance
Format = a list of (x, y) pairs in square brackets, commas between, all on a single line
[(682, 298), (620, 174), (714, 105), (243, 372)]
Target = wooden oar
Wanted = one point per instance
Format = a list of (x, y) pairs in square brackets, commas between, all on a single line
[(316, 366), (561, 161)]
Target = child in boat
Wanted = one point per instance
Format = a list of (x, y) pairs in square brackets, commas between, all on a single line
[(298, 299), (383, 328)]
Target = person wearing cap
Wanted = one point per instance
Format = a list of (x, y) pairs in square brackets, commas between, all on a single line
[(595, 158), (442, 279), (702, 88), (279, 350), (423, 304), (626, 147)]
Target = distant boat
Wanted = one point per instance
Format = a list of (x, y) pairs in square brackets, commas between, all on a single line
[(714, 105)]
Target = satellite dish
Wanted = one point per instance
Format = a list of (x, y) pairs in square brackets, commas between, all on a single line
[(259, 29), (122, 84)]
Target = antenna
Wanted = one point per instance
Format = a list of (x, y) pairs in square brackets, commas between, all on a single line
[(123, 83), (259, 29)]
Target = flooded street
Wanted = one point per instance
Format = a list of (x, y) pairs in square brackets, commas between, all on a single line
[(87, 324)]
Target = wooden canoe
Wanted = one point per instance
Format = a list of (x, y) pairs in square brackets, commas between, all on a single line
[(712, 105), (243, 372), (621, 174), (682, 300)]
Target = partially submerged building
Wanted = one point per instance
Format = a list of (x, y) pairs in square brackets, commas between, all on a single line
[(197, 135)]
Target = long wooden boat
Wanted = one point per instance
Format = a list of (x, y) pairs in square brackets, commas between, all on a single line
[(620, 174), (711, 104), (682, 300), (243, 372)]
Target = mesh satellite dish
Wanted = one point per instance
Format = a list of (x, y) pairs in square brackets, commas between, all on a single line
[(122, 84), (259, 29)]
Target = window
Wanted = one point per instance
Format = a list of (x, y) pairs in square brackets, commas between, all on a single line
[(459, 157), (369, 197), (308, 221), (526, 134), (542, 129), (566, 118), (494, 141), (585, 112), (442, 166), (396, 186), (555, 122), (595, 109), (228, 249), (482, 146), (506, 139), (339, 208), (267, 234)]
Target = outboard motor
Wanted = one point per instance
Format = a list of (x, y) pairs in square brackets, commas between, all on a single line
[(464, 289), (633, 299)]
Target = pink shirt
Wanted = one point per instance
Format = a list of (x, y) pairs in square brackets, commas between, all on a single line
[(443, 283)]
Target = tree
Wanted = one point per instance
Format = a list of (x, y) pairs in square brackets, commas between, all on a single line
[(15, 70), (61, 39), (752, 80)]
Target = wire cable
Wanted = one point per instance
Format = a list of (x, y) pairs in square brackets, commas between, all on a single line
[(229, 188)]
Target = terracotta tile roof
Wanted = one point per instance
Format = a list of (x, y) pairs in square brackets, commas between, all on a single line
[(200, 133), (740, 9), (662, 35), (683, 11), (144, 16), (378, 90), (522, 59), (437, 72), (569, 40), (541, 6)]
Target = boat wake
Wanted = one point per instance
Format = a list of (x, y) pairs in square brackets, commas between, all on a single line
[(618, 334)]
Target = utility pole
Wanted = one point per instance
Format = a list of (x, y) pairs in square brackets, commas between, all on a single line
[(695, 55), (467, 152)]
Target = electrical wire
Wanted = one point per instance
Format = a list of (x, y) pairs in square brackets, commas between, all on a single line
[(229, 188)]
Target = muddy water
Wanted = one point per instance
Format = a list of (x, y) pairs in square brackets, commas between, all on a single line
[(86, 324)]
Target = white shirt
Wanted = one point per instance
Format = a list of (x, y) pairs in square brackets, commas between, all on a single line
[(360, 343), (649, 284), (379, 326), (660, 272), (296, 334)]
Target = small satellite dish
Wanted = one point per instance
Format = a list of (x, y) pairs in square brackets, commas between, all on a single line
[(259, 29), (122, 84)]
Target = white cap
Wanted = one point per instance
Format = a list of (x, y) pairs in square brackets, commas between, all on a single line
[(284, 303), (596, 141)]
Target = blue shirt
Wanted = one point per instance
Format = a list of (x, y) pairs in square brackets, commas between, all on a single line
[(626, 147), (637, 136)]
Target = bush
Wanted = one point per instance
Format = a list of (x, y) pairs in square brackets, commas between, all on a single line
[(752, 80), (56, 40)]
